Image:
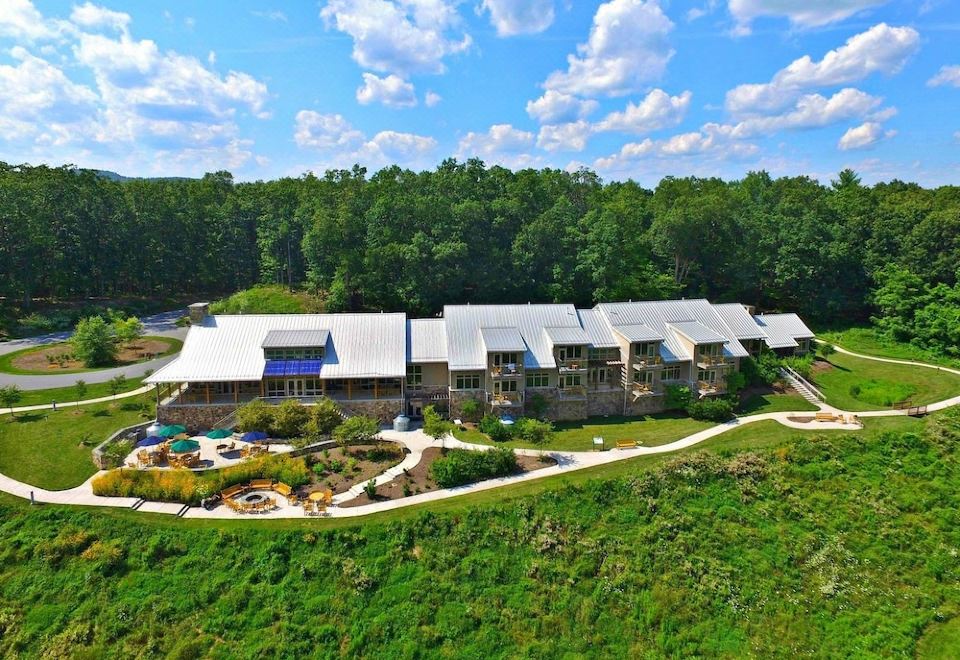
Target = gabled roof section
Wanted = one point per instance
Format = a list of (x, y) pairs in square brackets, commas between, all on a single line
[(739, 321), (659, 313), (295, 339), (783, 330), (426, 340), (697, 332), (638, 332), (597, 329), (502, 339), (228, 348), (567, 336), (467, 348)]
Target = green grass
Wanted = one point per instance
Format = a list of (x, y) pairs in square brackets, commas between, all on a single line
[(865, 340), (650, 430), (832, 546), (268, 299), (941, 641), (64, 396), (6, 361), (879, 380), (52, 450), (756, 404)]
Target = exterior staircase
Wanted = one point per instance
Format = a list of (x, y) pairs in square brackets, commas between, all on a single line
[(803, 387)]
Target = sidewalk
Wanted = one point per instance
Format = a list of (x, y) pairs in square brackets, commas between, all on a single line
[(74, 404)]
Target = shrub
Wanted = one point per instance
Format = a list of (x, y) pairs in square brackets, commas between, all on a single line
[(94, 342), (324, 418), (470, 410), (255, 416), (802, 364), (736, 381), (115, 453), (461, 466), (537, 405), (289, 419), (357, 430), (534, 431), (434, 425), (825, 349), (128, 330), (370, 488), (711, 410), (768, 369), (677, 397)]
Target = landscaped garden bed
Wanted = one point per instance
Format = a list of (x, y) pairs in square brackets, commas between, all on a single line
[(60, 358), (340, 468)]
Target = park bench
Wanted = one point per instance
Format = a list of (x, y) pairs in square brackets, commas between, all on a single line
[(261, 484), (626, 444), (826, 417), (233, 491)]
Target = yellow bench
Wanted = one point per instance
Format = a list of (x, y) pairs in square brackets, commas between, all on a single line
[(286, 491), (227, 493), (261, 484), (826, 417), (626, 444)]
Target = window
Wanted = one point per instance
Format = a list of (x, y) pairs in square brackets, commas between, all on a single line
[(504, 358), (505, 386), (572, 380), (415, 377), (671, 372), (710, 350), (223, 388), (312, 387), (538, 379), (645, 377), (646, 351), (315, 353), (467, 382), (570, 353), (707, 375), (604, 354), (276, 388)]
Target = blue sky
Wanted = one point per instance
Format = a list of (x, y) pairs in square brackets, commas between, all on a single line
[(630, 88)]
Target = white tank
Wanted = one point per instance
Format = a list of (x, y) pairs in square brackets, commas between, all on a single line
[(401, 423)]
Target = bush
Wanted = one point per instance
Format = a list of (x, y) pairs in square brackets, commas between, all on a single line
[(802, 364), (711, 410), (357, 430), (370, 488), (537, 405), (289, 420), (768, 369), (461, 466), (533, 431), (115, 453), (128, 330), (736, 381), (324, 418), (434, 425), (255, 416), (677, 397), (470, 410), (825, 349), (94, 342)]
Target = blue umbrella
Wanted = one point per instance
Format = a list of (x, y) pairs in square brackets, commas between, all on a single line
[(254, 436), (506, 420), (151, 441)]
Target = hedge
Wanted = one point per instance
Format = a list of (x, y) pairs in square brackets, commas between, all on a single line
[(462, 466)]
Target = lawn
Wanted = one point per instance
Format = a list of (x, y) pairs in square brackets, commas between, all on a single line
[(865, 340), (6, 361), (52, 450), (881, 381), (756, 404), (65, 396)]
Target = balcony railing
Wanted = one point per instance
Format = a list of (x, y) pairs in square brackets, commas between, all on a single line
[(573, 393), (647, 362), (706, 388), (713, 361), (505, 371), (505, 399), (572, 365), (643, 389)]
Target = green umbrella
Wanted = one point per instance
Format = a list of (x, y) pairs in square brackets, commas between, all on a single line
[(219, 434), (172, 430), (185, 446)]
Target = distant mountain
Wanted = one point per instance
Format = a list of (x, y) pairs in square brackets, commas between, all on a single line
[(113, 176)]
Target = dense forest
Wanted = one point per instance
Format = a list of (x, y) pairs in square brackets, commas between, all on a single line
[(402, 240)]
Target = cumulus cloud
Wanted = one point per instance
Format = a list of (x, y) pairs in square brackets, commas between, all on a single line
[(392, 91), (801, 13), (20, 20), (512, 17), (572, 136), (555, 107), (657, 111), (342, 145), (502, 144), (882, 48), (432, 99), (93, 16), (627, 49), (399, 36), (325, 132), (708, 141), (948, 75), (864, 136)]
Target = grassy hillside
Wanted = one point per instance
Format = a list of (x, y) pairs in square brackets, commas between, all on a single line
[(268, 299), (838, 545)]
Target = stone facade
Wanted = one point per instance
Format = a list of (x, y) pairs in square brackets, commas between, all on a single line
[(383, 410), (607, 402), (457, 397), (195, 418), (644, 405), (438, 397)]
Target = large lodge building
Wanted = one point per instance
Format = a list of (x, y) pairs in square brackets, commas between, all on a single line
[(614, 359)]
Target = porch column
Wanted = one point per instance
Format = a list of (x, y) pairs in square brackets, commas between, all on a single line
[(323, 388), (349, 389), (208, 393), (261, 387), (376, 389)]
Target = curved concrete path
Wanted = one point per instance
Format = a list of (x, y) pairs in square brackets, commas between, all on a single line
[(417, 442), (159, 325)]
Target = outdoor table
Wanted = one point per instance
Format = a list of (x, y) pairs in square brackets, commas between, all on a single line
[(316, 496), (222, 448)]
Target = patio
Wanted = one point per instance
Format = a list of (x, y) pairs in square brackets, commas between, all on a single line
[(213, 453)]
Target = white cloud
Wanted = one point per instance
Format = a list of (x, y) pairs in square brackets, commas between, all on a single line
[(401, 146), (881, 49), (572, 136), (801, 13), (813, 111), (398, 36), (664, 152), (948, 75), (273, 15), (864, 136), (555, 107), (325, 132), (657, 111), (502, 144), (432, 99), (392, 91), (93, 16), (512, 17), (627, 49), (21, 20)]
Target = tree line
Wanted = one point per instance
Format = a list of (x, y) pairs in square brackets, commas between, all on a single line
[(464, 232)]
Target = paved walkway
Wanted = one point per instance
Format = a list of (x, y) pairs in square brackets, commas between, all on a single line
[(73, 404), (417, 442), (159, 325)]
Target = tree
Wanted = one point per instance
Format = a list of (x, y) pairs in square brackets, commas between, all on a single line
[(825, 349), (79, 389), (537, 405), (94, 342), (116, 384), (325, 416), (255, 416), (435, 426), (470, 409), (128, 330), (678, 397), (290, 419), (10, 396), (535, 432), (357, 430)]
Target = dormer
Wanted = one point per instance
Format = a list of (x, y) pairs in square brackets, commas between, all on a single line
[(705, 345), (295, 344), (505, 348), (570, 348), (644, 343)]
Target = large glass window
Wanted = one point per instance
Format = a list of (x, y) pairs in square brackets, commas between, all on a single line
[(415, 377), (315, 353), (500, 359), (467, 382), (571, 380), (644, 377), (707, 375), (646, 350), (276, 388), (538, 379), (671, 372)]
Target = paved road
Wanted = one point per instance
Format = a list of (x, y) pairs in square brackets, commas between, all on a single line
[(162, 325)]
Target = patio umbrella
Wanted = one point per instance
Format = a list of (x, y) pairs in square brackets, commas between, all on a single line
[(254, 436), (219, 434), (506, 420), (185, 446), (151, 441), (172, 430)]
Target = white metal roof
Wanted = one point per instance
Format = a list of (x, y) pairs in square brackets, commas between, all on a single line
[(634, 332), (738, 319), (659, 313), (502, 339), (783, 330), (598, 330), (228, 348), (465, 345), (697, 332), (296, 339), (426, 340), (567, 336)]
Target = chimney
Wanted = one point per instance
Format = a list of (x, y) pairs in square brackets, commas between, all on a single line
[(198, 312)]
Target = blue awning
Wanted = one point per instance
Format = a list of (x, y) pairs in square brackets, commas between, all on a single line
[(283, 368)]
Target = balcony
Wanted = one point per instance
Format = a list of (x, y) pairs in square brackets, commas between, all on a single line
[(572, 365), (711, 388), (505, 371), (643, 389), (713, 361), (505, 399), (573, 393), (647, 362)]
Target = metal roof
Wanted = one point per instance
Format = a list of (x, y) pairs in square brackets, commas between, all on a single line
[(465, 345), (228, 348), (783, 330), (738, 319), (634, 332), (426, 340), (502, 339), (697, 332), (296, 339), (659, 313), (567, 336), (598, 330)]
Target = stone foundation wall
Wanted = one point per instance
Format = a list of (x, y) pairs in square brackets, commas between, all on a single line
[(383, 410), (457, 397), (644, 405), (562, 410), (427, 394), (600, 404), (195, 418)]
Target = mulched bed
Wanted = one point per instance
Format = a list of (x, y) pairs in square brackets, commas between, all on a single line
[(418, 479), (820, 366), (37, 360), (365, 468)]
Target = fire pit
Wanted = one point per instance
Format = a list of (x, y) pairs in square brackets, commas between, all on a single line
[(253, 498)]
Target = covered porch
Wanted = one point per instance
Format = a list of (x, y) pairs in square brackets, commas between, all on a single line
[(275, 390)]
